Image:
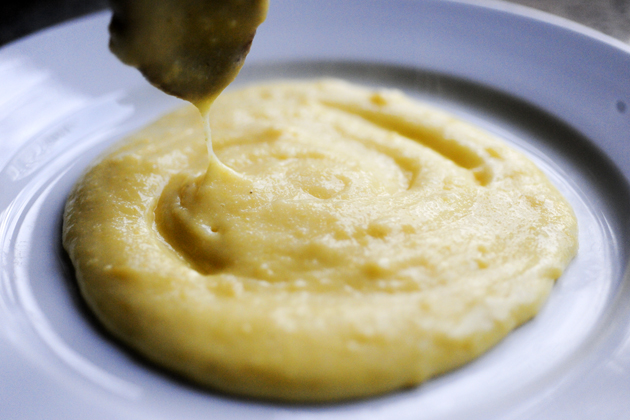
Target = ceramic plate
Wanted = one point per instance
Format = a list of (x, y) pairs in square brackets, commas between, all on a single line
[(553, 89)]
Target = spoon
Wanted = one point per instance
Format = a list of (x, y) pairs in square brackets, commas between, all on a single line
[(191, 49)]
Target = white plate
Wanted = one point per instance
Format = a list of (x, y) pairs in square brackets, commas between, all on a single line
[(556, 90)]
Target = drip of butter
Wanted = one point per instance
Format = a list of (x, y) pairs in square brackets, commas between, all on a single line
[(192, 49)]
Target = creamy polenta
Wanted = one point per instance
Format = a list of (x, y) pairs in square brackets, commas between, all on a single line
[(346, 242)]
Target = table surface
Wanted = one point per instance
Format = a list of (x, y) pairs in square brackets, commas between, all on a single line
[(20, 18)]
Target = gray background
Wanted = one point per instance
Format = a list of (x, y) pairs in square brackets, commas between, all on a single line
[(22, 17)]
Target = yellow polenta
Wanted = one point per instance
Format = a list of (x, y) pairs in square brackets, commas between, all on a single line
[(355, 242)]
